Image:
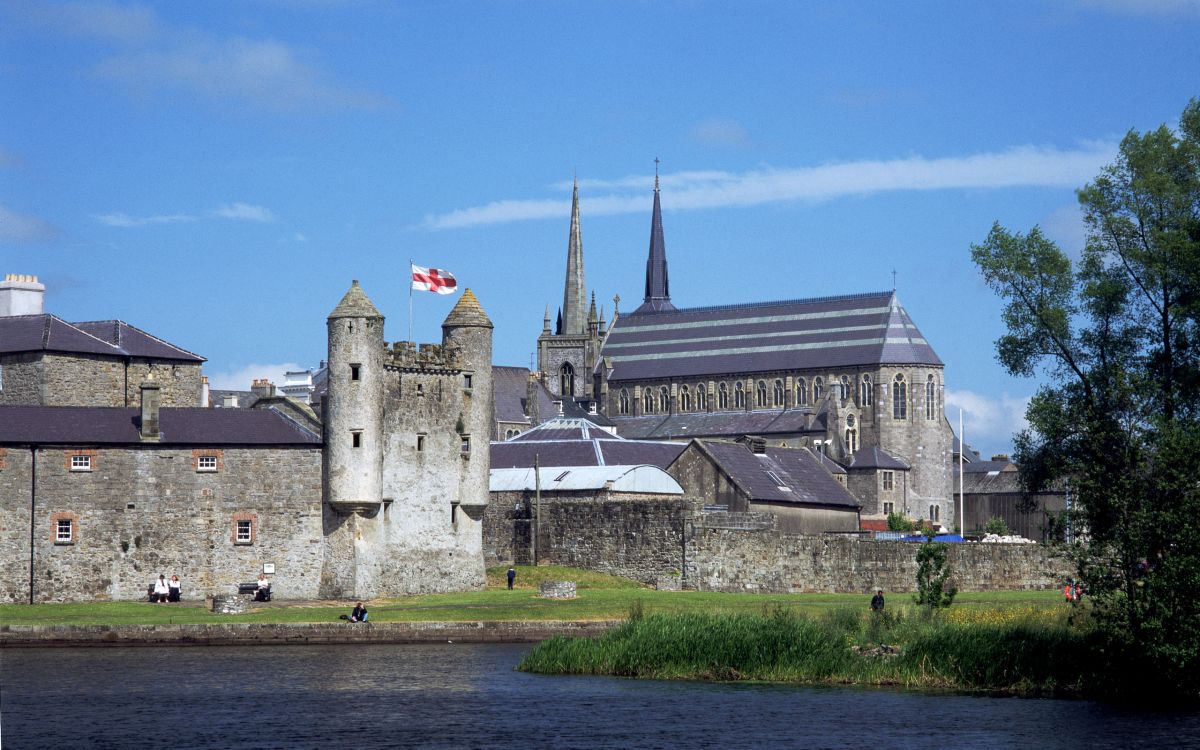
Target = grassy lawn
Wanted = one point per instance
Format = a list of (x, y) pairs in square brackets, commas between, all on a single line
[(601, 597)]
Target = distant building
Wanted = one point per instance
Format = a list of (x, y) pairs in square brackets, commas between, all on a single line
[(842, 373), (47, 361)]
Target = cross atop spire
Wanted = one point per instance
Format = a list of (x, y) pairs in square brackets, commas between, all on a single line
[(656, 174)]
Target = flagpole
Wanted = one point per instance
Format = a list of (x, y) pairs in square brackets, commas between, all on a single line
[(410, 282)]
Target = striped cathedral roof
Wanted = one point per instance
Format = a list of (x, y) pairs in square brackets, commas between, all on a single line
[(823, 332)]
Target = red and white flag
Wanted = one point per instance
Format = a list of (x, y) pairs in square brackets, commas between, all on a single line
[(433, 280)]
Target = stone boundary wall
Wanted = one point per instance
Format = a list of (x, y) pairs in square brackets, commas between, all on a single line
[(722, 559), (223, 634)]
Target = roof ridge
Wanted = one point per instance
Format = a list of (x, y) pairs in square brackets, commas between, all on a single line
[(772, 303), (145, 333)]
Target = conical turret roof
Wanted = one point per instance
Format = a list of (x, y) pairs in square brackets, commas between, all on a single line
[(468, 312), (355, 304)]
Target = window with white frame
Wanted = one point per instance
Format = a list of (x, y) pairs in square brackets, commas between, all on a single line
[(81, 462), (244, 533), (206, 463), (64, 531)]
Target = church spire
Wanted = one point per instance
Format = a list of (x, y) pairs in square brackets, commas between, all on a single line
[(575, 290), (658, 288)]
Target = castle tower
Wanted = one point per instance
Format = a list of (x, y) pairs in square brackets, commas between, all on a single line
[(658, 287), (469, 330), (354, 405)]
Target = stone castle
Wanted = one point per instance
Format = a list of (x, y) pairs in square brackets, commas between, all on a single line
[(111, 472)]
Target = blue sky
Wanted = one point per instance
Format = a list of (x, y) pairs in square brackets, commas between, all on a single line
[(218, 177)]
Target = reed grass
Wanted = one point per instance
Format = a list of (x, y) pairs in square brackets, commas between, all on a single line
[(1037, 654)]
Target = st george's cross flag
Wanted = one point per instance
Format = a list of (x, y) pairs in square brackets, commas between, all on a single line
[(433, 280)]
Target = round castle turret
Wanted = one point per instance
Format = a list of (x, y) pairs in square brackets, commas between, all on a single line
[(354, 405), (469, 329)]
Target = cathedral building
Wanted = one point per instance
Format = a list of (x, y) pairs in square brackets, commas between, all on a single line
[(849, 375)]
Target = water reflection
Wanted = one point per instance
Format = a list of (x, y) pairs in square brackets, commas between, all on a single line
[(455, 696)]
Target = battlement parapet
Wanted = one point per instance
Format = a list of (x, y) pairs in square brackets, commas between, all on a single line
[(431, 358)]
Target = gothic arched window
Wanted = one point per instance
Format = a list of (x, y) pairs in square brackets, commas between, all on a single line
[(818, 388), (685, 398), (623, 402), (851, 434), (723, 396), (801, 392), (760, 394), (777, 394), (866, 394), (664, 400), (566, 380), (647, 401), (899, 397), (930, 398), (739, 395), (844, 387), (702, 397)]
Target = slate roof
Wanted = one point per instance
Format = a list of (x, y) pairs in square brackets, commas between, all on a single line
[(87, 425), (468, 312), (823, 332), (875, 458), (577, 442), (798, 477), (509, 390), (114, 338), (716, 424), (617, 478)]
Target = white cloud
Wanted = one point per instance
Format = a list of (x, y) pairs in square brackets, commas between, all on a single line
[(1017, 167), (119, 219), (18, 228), (1065, 226), (245, 212), (717, 132), (988, 421), (242, 378), (147, 55)]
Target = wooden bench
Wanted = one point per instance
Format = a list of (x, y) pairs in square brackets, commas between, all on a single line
[(252, 588)]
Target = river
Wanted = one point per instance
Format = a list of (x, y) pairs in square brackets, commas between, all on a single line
[(359, 697)]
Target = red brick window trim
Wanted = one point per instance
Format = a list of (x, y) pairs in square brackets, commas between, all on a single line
[(82, 459), (244, 529), (64, 527), (208, 459), (3, 458)]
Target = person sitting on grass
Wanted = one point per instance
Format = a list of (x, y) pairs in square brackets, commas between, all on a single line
[(358, 614), (877, 601)]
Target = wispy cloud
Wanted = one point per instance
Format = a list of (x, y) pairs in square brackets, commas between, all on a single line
[(147, 55), (718, 132), (989, 421), (245, 212), (1016, 167), (241, 378), (234, 211), (18, 229), (119, 219)]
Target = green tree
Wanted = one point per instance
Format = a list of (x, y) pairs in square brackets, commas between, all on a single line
[(932, 574), (996, 525), (1117, 419)]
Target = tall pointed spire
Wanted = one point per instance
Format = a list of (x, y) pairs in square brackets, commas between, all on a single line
[(658, 288), (575, 290)]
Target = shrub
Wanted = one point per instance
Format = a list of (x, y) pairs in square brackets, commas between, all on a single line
[(898, 522), (932, 573), (996, 525)]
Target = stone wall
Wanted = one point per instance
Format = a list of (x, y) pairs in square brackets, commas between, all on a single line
[(56, 379), (146, 510), (764, 560)]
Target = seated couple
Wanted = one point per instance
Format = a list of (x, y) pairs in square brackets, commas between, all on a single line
[(358, 614)]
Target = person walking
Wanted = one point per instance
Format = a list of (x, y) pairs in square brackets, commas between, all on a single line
[(512, 576), (877, 601), (173, 589)]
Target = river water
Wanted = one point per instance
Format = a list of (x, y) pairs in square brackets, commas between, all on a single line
[(359, 697)]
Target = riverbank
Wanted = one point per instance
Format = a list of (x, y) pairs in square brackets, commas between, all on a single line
[(267, 634)]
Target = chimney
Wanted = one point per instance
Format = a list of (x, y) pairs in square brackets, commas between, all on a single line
[(21, 294), (263, 388), (558, 405), (230, 401), (532, 405), (1001, 457), (204, 395), (151, 397)]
